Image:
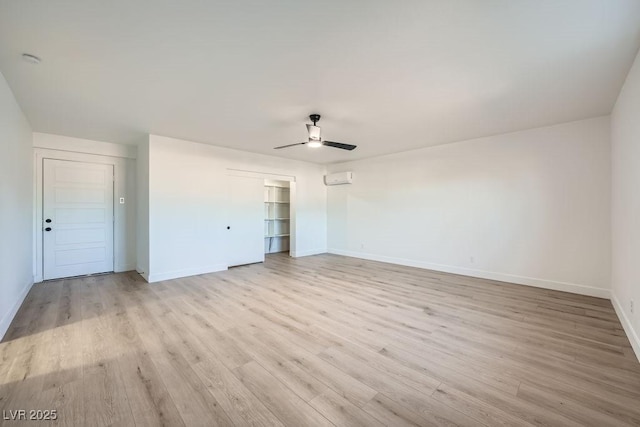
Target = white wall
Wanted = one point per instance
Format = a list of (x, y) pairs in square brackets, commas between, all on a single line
[(625, 139), (529, 207), (142, 223), (123, 158), (16, 177), (187, 204)]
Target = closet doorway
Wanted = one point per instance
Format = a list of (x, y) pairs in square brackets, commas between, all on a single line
[(277, 216), (261, 216)]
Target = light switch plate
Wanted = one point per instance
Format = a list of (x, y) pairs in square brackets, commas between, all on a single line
[(122, 200)]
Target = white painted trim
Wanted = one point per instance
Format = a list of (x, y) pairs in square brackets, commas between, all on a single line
[(626, 325), (502, 277), (8, 318), (184, 273), (86, 146), (123, 268), (119, 213), (260, 175), (298, 254)]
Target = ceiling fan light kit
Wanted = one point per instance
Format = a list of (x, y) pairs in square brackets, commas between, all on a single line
[(315, 139), (314, 132)]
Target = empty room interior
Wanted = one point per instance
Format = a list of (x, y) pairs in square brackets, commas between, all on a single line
[(339, 213)]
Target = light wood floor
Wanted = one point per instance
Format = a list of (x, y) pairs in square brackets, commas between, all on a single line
[(319, 340)]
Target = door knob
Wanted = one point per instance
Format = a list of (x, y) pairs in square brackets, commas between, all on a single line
[(48, 220), (47, 229)]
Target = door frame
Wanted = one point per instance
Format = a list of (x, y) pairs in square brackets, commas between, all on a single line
[(119, 212), (292, 197)]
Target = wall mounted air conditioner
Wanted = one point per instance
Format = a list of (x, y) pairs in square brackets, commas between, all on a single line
[(338, 178)]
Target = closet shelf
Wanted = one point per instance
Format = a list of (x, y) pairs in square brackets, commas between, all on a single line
[(277, 218)]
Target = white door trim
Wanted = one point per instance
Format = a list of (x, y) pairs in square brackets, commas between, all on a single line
[(119, 212)]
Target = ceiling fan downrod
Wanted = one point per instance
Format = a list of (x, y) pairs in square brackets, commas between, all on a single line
[(315, 118)]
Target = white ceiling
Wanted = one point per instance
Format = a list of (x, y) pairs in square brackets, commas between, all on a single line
[(386, 75)]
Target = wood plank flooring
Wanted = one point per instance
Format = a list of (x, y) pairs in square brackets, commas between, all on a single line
[(317, 341)]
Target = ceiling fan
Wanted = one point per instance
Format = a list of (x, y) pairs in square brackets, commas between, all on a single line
[(315, 140)]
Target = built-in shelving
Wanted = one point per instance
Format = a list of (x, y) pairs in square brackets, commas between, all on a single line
[(277, 217)]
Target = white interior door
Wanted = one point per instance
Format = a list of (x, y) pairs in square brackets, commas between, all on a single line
[(246, 221), (77, 218)]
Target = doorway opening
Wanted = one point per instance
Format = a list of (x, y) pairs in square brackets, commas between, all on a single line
[(277, 216), (261, 216)]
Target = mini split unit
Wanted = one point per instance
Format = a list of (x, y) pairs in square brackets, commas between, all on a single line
[(338, 178)]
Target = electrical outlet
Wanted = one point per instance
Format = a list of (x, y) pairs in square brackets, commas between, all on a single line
[(631, 306), (361, 245)]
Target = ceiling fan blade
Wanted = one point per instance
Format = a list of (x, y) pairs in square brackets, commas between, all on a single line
[(339, 145), (290, 145)]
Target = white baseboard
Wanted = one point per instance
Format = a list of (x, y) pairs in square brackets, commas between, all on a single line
[(123, 268), (626, 325), (299, 254), (502, 277), (5, 322), (144, 275), (176, 274), (117, 269)]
